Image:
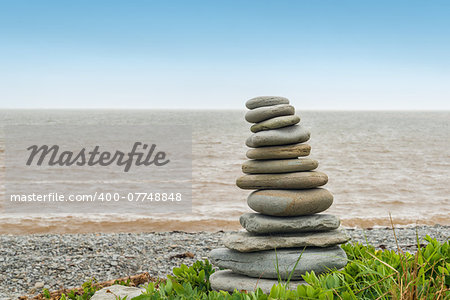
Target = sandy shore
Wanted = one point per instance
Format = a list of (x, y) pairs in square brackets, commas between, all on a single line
[(57, 261)]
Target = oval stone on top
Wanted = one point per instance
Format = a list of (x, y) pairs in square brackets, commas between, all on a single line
[(265, 101)]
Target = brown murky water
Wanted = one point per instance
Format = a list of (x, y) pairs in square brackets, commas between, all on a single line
[(378, 163)]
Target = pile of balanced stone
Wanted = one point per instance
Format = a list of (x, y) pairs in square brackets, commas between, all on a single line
[(287, 199)]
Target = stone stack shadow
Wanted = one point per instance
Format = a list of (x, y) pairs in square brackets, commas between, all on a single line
[(288, 198)]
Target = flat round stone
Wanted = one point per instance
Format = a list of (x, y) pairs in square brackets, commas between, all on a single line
[(226, 280), (297, 180), (279, 152), (262, 264), (279, 165), (265, 101), (267, 112), (248, 242), (282, 136), (274, 123), (115, 291), (262, 224), (289, 203)]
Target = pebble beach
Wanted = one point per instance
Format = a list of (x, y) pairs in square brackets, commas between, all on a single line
[(29, 263)]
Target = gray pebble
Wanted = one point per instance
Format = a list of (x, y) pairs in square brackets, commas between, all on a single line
[(274, 123), (276, 137), (248, 242), (279, 152), (279, 165), (295, 181), (264, 113), (265, 101), (262, 224)]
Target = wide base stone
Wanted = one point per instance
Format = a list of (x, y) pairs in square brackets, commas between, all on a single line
[(226, 280), (263, 263), (248, 242)]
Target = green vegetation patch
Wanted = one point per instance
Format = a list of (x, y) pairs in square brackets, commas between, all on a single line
[(369, 274)]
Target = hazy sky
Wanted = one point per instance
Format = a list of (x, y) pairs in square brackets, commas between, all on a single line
[(217, 54)]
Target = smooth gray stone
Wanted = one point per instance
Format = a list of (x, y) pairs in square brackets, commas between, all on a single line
[(262, 264), (275, 137), (265, 101), (226, 280), (267, 112), (248, 242), (262, 224), (289, 203), (296, 180), (114, 291), (279, 152), (274, 123), (279, 165)]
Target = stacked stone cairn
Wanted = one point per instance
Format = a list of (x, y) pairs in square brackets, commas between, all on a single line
[(287, 230)]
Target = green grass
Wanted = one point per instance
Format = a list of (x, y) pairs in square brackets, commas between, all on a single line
[(369, 274)]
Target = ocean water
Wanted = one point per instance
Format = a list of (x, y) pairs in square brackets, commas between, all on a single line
[(379, 164)]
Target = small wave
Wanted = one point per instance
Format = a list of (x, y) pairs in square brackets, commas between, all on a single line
[(113, 224), (168, 222), (386, 222)]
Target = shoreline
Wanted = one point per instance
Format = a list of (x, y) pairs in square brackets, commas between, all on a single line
[(68, 260), (79, 225)]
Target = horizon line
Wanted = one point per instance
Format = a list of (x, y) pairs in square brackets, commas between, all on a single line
[(220, 109)]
